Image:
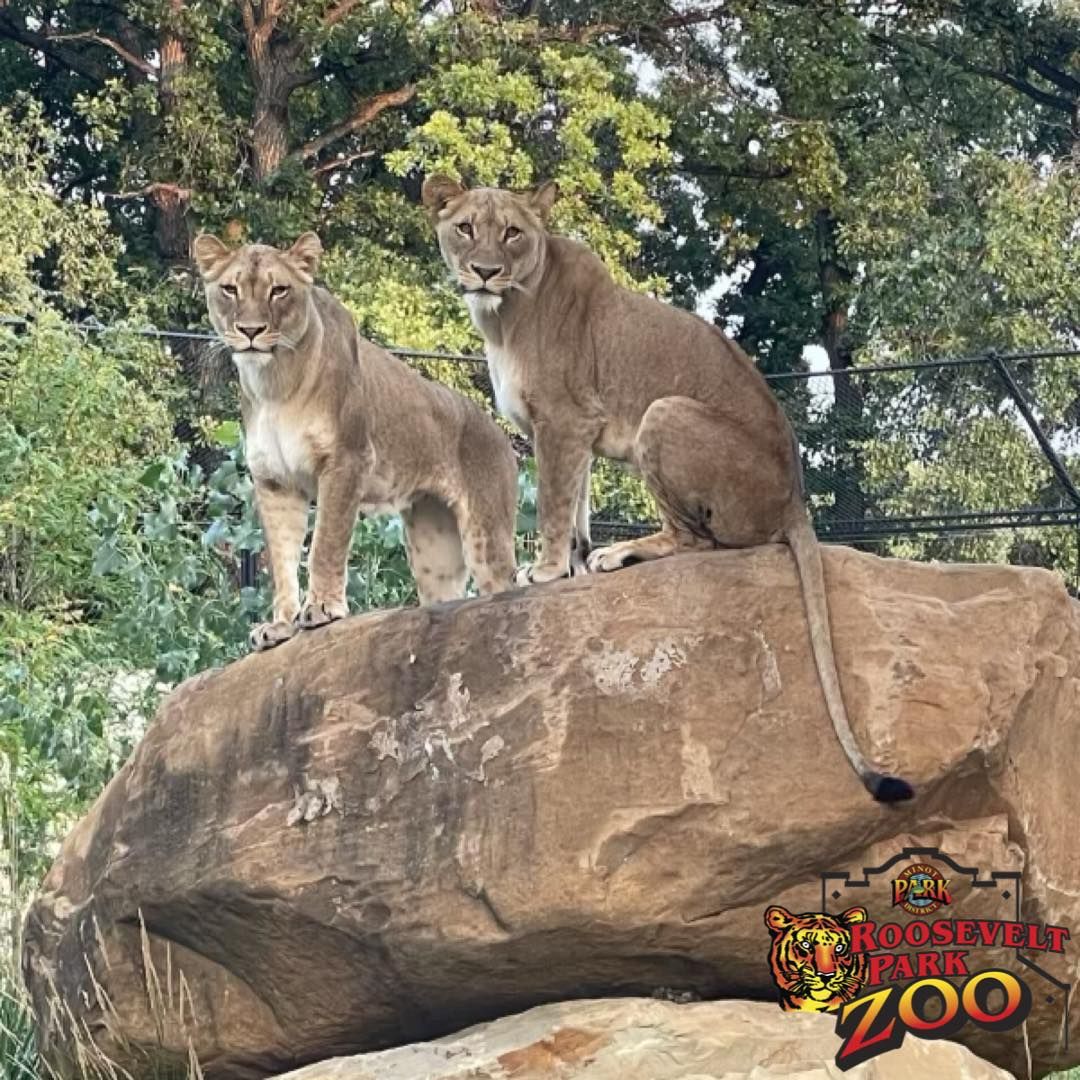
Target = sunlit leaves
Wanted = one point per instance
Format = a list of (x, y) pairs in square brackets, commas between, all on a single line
[(35, 225)]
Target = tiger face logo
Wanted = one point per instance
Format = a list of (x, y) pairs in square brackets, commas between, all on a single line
[(811, 959)]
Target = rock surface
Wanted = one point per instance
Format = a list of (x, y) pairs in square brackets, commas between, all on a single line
[(638, 1039), (410, 822)]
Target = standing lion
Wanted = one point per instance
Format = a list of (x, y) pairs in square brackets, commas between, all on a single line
[(331, 418), (588, 368)]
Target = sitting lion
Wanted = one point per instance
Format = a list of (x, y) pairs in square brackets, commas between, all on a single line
[(587, 367), (332, 418)]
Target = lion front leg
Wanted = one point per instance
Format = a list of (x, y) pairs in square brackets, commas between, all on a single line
[(338, 504), (562, 465), (283, 515)]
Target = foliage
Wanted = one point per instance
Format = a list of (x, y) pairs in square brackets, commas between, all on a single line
[(18, 1051), (875, 181), (71, 241)]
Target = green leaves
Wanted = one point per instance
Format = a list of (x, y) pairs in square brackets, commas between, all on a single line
[(968, 253), (35, 226)]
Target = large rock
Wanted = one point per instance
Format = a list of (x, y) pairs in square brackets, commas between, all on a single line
[(410, 822), (636, 1039)]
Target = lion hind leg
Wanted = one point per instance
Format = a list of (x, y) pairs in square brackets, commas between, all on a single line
[(434, 547), (488, 532), (716, 482)]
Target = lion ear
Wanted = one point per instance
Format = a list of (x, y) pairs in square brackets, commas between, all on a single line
[(438, 191), (852, 915), (779, 919), (209, 251), (542, 198), (305, 253)]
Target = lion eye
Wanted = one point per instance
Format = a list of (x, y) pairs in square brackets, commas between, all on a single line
[(279, 290), (512, 232), (839, 946), (464, 228), (229, 290), (805, 946)]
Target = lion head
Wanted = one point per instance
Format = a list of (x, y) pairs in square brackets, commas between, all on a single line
[(492, 240), (811, 958), (258, 296)]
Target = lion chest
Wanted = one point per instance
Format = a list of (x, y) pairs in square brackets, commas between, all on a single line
[(507, 385), (281, 448)]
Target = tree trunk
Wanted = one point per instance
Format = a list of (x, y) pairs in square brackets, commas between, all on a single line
[(271, 72), (271, 125), (170, 201)]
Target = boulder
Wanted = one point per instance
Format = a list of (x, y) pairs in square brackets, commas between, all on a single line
[(413, 821), (639, 1039)]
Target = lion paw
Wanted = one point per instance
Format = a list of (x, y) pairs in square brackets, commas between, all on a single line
[(317, 613), (268, 634), (538, 573), (614, 557)]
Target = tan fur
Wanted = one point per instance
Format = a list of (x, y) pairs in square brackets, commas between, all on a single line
[(589, 368), (331, 418)]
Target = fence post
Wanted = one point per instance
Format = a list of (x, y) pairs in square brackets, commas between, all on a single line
[(247, 569), (1020, 399)]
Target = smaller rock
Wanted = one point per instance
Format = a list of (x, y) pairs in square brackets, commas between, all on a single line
[(643, 1039), (317, 799)]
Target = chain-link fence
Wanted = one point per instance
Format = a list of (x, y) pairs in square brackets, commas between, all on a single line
[(971, 458)]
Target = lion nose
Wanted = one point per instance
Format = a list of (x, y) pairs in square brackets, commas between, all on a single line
[(485, 273), (252, 332)]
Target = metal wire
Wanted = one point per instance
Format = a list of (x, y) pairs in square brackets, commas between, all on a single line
[(908, 414), (94, 326)]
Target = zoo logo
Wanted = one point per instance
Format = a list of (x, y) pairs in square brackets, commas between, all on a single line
[(812, 961), (920, 889), (886, 980)]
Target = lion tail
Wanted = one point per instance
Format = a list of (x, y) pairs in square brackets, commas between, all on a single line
[(806, 550)]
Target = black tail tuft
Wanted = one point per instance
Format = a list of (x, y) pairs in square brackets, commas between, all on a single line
[(889, 788)]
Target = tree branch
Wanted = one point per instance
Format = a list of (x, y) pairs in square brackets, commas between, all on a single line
[(705, 168), (272, 10), (338, 12), (70, 59), (1060, 79), (247, 16), (340, 163), (585, 35), (160, 194), (365, 112), (1051, 101), (129, 57)]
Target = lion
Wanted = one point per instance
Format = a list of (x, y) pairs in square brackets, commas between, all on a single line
[(586, 367), (329, 417), (811, 959)]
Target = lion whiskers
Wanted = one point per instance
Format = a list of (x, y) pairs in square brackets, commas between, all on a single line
[(234, 342)]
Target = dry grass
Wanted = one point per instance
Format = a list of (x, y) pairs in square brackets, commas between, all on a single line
[(169, 1004)]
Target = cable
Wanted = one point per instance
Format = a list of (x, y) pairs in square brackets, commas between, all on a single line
[(92, 325)]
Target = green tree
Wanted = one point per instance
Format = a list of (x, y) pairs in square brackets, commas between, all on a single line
[(886, 183)]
